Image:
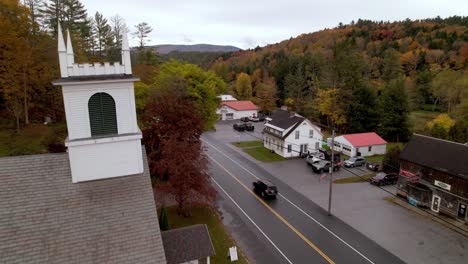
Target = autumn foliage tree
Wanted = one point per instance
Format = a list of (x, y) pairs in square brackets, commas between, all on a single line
[(243, 86), (171, 135)]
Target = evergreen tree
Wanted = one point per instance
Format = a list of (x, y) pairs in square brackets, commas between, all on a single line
[(296, 86), (391, 66), (75, 15), (142, 31), (71, 13), (362, 112), (163, 219), (394, 110), (391, 160), (103, 35)]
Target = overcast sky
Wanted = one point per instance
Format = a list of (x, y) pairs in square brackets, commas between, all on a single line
[(248, 23)]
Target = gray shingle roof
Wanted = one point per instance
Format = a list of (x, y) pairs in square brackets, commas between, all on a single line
[(187, 243), (282, 119), (45, 218), (442, 155)]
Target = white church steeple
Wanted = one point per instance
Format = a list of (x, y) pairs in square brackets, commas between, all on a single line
[(104, 140), (62, 52), (70, 55), (126, 54)]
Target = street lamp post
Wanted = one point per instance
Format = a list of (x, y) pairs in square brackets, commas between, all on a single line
[(331, 172)]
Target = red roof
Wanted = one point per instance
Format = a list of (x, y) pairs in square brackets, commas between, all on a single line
[(240, 105), (364, 139)]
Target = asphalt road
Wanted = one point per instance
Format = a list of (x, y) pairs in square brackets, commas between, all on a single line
[(289, 229)]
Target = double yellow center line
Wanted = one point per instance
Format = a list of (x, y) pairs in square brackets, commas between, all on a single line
[(312, 245)]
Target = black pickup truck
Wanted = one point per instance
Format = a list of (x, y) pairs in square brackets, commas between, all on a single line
[(265, 189)]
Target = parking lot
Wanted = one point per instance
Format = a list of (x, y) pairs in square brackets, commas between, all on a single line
[(413, 238)]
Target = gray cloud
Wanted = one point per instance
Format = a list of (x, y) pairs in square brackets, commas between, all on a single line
[(262, 21)]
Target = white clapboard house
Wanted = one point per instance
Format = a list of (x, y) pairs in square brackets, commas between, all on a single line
[(360, 144), (291, 135)]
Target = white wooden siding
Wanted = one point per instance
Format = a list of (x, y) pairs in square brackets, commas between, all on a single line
[(236, 114), (76, 99), (304, 138), (375, 150), (105, 160)]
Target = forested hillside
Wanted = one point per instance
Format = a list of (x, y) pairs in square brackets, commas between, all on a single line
[(364, 76)]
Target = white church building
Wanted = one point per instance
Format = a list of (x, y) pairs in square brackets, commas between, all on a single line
[(95, 203)]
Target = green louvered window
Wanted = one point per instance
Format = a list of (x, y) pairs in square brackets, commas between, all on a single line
[(102, 115)]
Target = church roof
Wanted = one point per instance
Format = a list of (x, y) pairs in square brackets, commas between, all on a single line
[(45, 218)]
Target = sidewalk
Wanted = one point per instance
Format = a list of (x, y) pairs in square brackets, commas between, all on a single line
[(448, 222)]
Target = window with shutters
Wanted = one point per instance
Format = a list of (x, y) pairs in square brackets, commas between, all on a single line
[(102, 114)]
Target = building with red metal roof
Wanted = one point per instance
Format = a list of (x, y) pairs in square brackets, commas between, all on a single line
[(237, 109), (360, 144)]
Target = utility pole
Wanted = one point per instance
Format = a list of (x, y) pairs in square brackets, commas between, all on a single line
[(331, 171)]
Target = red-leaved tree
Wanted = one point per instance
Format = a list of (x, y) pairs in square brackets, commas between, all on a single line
[(171, 134)]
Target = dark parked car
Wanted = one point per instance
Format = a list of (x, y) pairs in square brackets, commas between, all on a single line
[(383, 178), (249, 127), (265, 189), (239, 127), (354, 161), (243, 127), (244, 119), (373, 166), (324, 166)]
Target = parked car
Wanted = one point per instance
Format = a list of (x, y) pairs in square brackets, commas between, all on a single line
[(383, 178), (254, 119), (249, 127), (354, 161), (324, 166), (314, 157), (244, 119), (373, 166), (239, 127), (265, 189)]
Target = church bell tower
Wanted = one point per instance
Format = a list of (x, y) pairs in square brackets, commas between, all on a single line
[(104, 140)]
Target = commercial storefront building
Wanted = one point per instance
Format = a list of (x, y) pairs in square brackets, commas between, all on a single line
[(434, 174)]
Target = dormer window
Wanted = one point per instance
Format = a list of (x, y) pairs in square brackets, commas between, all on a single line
[(102, 114)]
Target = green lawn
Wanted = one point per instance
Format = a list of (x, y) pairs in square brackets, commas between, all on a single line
[(258, 151), (263, 154), (354, 179), (219, 236), (32, 139), (419, 119), (246, 144)]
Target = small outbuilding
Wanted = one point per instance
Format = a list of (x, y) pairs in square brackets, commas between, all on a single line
[(230, 110), (188, 245), (360, 144)]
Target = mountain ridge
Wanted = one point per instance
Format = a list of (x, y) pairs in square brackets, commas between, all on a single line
[(167, 48)]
